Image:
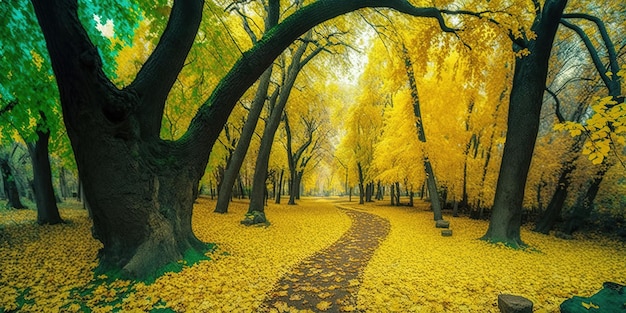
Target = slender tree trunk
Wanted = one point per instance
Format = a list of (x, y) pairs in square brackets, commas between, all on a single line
[(526, 97), (393, 195), (432, 191), (398, 193), (64, 190), (10, 187), (379, 191), (361, 188), (553, 211), (299, 184), (430, 174), (47, 210), (234, 166), (584, 204), (280, 186)]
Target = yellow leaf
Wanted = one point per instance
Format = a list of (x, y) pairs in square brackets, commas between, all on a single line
[(323, 305), (589, 305)]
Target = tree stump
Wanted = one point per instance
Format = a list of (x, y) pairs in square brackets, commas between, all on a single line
[(514, 304), (442, 224), (446, 232)]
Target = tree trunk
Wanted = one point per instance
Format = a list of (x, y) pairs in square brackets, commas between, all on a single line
[(432, 191), (280, 186), (398, 193), (361, 188), (10, 187), (393, 195), (65, 193), (529, 82), (47, 210), (379, 191), (553, 211), (234, 166), (421, 134), (584, 204), (298, 184)]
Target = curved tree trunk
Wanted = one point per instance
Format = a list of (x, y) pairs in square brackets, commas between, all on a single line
[(47, 210), (526, 97), (553, 211)]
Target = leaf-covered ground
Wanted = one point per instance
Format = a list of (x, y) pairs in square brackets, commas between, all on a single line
[(415, 269)]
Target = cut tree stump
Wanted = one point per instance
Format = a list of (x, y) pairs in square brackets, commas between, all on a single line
[(514, 304), (442, 224)]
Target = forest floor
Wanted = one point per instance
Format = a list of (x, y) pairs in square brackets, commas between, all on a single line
[(412, 268)]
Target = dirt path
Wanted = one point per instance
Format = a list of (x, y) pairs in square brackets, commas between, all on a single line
[(329, 280)]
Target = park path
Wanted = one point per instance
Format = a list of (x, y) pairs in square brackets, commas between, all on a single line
[(329, 280)]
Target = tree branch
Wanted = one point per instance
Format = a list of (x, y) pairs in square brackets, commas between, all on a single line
[(608, 43), (206, 124), (557, 106), (592, 51), (157, 76)]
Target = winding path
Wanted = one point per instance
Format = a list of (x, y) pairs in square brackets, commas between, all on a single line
[(329, 280)]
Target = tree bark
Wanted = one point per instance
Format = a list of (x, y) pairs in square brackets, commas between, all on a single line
[(47, 210), (393, 195), (10, 187), (526, 97)]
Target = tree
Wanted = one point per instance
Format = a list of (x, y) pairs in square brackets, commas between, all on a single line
[(529, 82), (8, 181), (141, 188), (233, 167)]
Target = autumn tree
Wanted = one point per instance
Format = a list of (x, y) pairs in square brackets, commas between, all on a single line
[(262, 92), (529, 82)]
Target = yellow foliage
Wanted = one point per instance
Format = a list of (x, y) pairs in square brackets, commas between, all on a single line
[(415, 269)]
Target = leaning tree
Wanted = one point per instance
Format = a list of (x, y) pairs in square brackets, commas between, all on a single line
[(141, 187)]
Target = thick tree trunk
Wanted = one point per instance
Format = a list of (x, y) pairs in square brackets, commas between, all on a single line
[(393, 195), (526, 97), (47, 210), (10, 187)]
